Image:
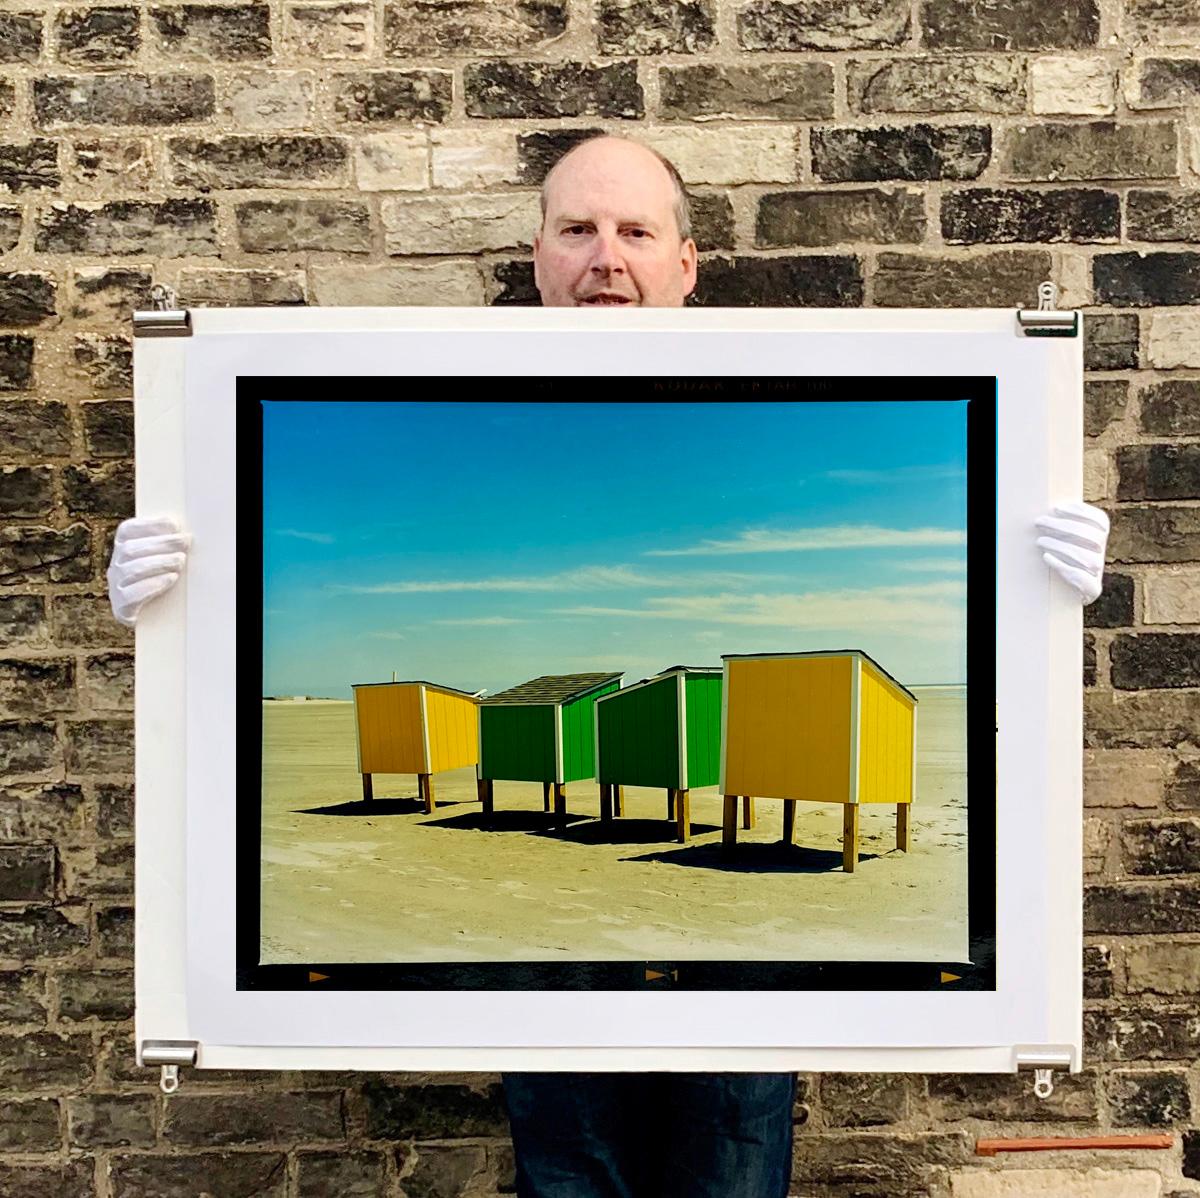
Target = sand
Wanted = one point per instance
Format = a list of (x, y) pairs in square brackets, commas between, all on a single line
[(347, 881)]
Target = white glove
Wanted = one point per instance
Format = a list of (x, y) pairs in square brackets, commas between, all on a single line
[(148, 555), (1073, 546)]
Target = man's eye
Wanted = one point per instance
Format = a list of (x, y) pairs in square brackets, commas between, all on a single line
[(575, 229), (638, 233)]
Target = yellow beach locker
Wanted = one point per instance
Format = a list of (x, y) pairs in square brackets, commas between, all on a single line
[(829, 727), (414, 728)]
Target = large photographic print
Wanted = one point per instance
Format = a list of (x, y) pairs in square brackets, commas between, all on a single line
[(643, 683)]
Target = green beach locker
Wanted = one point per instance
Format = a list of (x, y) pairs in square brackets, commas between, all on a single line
[(664, 732), (541, 731)]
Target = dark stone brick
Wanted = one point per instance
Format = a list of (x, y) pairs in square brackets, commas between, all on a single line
[(1162, 216), (1161, 846), (1158, 471), (1095, 150), (1183, 790), (1002, 279), (22, 621), (933, 84), (816, 281), (27, 873), (1147, 280), (41, 1060), (8, 99), (432, 1111), (35, 554), (994, 1097), (912, 152), (114, 932), (867, 1165), (825, 25), (22, 996), (105, 360), (1191, 1157), (1097, 971), (367, 97), (1114, 607), (29, 1126), (20, 36), (123, 163), (114, 810), (219, 1119), (108, 428), (41, 932), (99, 490), (712, 220), (342, 1173), (656, 26), (516, 283), (1133, 908), (226, 162), (217, 33), (27, 747), (134, 99), (98, 35), (26, 490), (265, 226), (170, 228), (441, 1170), (10, 218), (1171, 408), (863, 1099), (1011, 24), (29, 166), (46, 812), (16, 364), (1155, 660), (104, 870), (549, 90), (96, 994), (815, 218), (1165, 19), (786, 91), (25, 298), (1068, 214), (416, 28), (110, 293), (228, 1174), (110, 1121), (27, 428), (99, 746), (71, 1180), (1110, 341), (1168, 1034), (538, 152), (1104, 400), (1169, 82), (1089, 659), (37, 686), (84, 621)]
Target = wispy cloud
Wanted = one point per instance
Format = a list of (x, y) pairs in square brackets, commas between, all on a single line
[(319, 538), (929, 606), (898, 474), (933, 565), (842, 536), (483, 622), (583, 578)]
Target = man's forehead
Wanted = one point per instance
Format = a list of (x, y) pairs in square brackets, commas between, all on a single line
[(610, 178)]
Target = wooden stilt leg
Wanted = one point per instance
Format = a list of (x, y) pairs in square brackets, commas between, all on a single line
[(606, 802), (789, 821), (421, 789), (683, 815), (560, 802), (619, 799), (903, 835), (729, 826), (430, 802), (849, 837), (747, 811), (485, 795), (368, 791), (545, 796), (671, 804)]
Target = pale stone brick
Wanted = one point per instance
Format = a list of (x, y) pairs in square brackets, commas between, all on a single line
[(435, 284), (269, 99), (1056, 1183), (1074, 86), (1174, 339), (464, 158), (1096, 836), (1074, 281), (461, 224), (394, 161), (1097, 466), (724, 156), (1124, 777), (1167, 969), (329, 30), (1171, 597)]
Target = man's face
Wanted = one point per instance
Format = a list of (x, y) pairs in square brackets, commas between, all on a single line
[(609, 237)]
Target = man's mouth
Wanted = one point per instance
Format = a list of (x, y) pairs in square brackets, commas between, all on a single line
[(604, 298)]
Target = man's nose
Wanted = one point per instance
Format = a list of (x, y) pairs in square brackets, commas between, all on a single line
[(606, 254)]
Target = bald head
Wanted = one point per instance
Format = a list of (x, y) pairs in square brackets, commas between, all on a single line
[(615, 229)]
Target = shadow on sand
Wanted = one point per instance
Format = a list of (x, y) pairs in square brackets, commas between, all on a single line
[(397, 806), (755, 857), (503, 821)]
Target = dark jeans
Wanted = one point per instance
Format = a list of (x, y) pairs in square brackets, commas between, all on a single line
[(651, 1135)]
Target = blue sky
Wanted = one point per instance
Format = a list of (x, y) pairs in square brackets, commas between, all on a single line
[(478, 545)]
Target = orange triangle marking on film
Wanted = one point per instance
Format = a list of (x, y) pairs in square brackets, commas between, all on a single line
[(652, 975), (951, 977), (317, 977)]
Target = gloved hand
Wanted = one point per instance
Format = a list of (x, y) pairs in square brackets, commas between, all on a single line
[(1073, 546), (148, 556)]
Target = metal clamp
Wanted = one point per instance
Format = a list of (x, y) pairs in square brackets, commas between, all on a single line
[(164, 319), (1047, 319), (1042, 1062), (170, 1055)]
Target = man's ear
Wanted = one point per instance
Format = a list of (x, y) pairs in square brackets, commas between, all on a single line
[(537, 249), (690, 259)]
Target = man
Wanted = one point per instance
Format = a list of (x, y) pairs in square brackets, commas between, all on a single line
[(615, 233)]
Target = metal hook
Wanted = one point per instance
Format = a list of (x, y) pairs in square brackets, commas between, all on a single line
[(1047, 296), (169, 1081), (1043, 1079), (162, 297)]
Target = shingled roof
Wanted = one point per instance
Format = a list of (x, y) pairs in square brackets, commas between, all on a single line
[(552, 688)]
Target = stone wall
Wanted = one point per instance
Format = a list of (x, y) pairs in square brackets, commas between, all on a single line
[(886, 152)]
